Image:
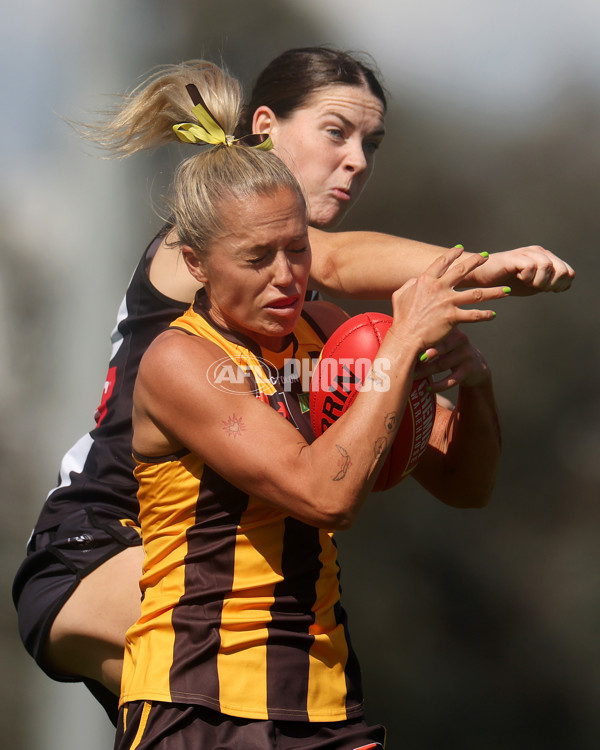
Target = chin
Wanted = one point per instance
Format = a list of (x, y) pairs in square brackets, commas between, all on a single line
[(324, 220)]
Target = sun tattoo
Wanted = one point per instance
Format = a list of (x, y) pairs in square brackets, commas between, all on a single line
[(234, 426)]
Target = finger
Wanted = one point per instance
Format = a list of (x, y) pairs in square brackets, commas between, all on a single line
[(475, 316), (479, 294), (543, 271), (463, 266), (537, 275), (457, 362), (443, 384), (449, 361), (443, 262), (562, 278), (455, 344)]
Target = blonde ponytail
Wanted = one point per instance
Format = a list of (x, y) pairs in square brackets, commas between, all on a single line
[(147, 115)]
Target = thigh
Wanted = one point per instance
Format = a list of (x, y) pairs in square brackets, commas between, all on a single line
[(87, 637), (57, 562), (107, 601)]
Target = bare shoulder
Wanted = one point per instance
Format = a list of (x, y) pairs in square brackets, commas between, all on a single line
[(327, 315), (175, 357)]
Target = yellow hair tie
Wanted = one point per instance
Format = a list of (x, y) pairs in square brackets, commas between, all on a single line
[(208, 130)]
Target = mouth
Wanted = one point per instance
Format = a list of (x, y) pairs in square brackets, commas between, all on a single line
[(284, 303), (342, 194)]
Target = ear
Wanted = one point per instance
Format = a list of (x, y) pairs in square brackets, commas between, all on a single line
[(264, 120), (193, 263)]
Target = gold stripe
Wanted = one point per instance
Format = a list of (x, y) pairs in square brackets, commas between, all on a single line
[(327, 677), (242, 659), (142, 725), (150, 642)]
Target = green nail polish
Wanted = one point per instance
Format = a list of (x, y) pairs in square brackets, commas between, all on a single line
[(506, 289), (456, 247), (484, 254), (423, 357), (493, 314)]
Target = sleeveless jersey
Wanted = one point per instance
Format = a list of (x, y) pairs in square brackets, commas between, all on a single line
[(241, 607), (98, 470)]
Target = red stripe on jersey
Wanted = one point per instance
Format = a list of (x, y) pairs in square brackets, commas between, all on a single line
[(109, 384)]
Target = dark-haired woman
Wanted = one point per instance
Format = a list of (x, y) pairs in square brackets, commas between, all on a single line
[(242, 640), (77, 590)]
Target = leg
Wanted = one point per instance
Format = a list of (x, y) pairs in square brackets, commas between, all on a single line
[(87, 637)]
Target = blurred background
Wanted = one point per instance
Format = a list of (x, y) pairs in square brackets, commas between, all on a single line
[(476, 629)]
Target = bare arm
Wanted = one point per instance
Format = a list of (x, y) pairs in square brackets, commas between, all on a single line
[(324, 483), (366, 265), (371, 265)]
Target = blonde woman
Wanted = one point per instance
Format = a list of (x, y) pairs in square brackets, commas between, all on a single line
[(77, 590)]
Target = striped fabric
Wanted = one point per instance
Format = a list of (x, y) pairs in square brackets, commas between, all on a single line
[(241, 610)]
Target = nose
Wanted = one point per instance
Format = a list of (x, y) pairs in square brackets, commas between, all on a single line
[(356, 160), (282, 270)]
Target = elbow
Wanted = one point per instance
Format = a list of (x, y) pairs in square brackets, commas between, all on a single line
[(343, 522), (325, 274), (337, 515), (340, 520)]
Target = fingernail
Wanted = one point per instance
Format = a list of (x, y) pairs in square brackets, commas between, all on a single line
[(484, 254), (506, 289), (493, 313), (423, 357), (456, 247)]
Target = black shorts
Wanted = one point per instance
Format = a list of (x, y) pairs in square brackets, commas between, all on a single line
[(170, 726), (56, 562)]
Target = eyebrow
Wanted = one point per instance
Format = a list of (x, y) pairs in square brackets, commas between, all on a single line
[(348, 123), (269, 245)]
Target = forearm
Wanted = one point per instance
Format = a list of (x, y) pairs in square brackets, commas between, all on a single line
[(460, 465), (340, 466), (366, 265), (372, 265)]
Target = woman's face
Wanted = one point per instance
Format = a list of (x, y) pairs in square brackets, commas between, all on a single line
[(256, 274), (329, 144)]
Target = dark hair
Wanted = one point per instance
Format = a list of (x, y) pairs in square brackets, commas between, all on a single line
[(288, 80)]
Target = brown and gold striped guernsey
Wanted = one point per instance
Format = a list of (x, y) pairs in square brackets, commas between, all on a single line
[(241, 604)]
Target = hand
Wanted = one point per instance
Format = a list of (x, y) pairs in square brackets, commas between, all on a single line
[(455, 355), (427, 308), (527, 270)]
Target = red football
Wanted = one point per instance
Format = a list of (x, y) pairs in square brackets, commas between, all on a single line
[(338, 377)]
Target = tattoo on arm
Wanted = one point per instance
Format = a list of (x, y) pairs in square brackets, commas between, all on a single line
[(344, 463), (376, 377), (390, 421), (234, 426)]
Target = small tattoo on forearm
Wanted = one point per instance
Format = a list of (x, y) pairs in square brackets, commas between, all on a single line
[(390, 421), (344, 463), (234, 426), (376, 377)]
